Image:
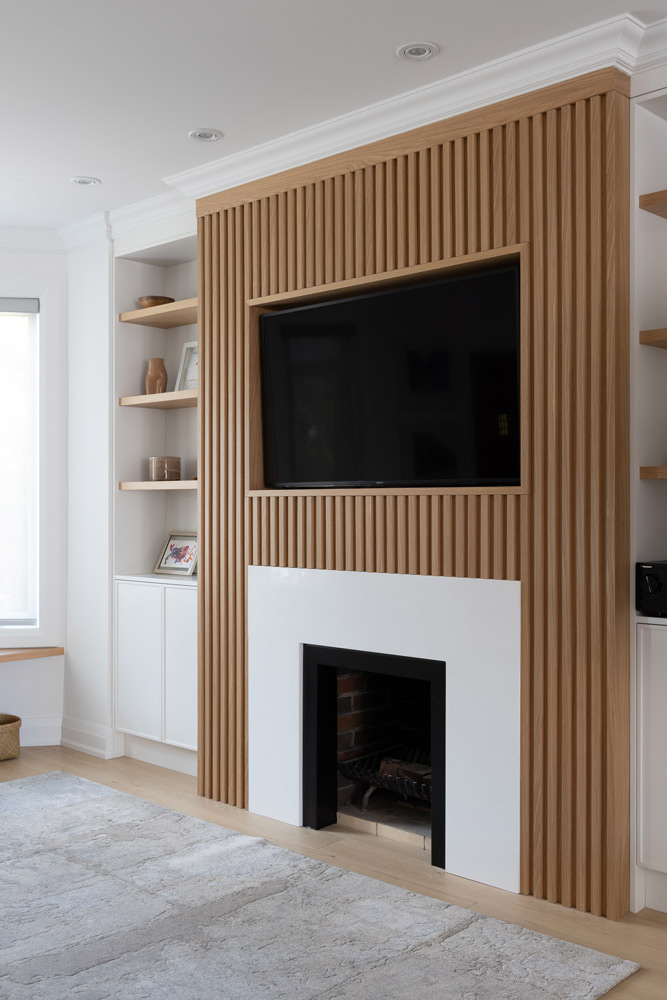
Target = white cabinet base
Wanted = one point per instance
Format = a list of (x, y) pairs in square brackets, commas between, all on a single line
[(652, 746), (155, 680), (161, 754)]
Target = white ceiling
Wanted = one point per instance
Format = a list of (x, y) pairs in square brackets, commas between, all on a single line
[(111, 88)]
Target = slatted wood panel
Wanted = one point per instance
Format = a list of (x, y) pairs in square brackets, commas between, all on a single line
[(556, 180)]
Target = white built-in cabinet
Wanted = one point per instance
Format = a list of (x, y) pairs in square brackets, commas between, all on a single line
[(155, 657), (652, 745), (156, 661)]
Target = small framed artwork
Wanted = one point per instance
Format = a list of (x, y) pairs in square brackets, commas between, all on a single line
[(188, 373), (179, 554)]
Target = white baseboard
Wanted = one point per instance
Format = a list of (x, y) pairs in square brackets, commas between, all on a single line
[(90, 738), (656, 890), (104, 742), (161, 754), (41, 732)]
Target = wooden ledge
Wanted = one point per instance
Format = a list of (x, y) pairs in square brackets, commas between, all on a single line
[(36, 653)]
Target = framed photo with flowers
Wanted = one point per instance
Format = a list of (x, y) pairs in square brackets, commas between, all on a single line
[(179, 554)]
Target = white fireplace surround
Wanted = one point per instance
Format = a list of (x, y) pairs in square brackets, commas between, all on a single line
[(473, 625)]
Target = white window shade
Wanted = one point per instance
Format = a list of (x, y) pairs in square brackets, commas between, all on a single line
[(19, 462)]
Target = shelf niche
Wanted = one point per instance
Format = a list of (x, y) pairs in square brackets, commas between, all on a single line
[(183, 313), (173, 484), (177, 400)]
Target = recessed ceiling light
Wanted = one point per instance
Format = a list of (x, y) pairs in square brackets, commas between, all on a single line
[(206, 134), (85, 181), (417, 50)]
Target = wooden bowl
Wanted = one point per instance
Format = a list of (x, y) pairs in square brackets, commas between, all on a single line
[(146, 301)]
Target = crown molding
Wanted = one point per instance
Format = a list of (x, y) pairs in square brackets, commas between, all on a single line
[(15, 240), (151, 212), (612, 43), (85, 233), (653, 48)]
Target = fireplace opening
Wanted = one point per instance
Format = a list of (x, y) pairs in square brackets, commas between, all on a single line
[(384, 752), (374, 741)]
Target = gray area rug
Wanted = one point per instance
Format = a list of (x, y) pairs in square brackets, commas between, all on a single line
[(104, 896)]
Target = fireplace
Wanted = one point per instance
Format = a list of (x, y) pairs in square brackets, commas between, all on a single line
[(320, 785), (474, 626)]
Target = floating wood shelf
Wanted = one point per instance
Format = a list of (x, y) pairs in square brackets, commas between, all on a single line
[(163, 400), (653, 472), (176, 484), (181, 313), (656, 202), (654, 338)]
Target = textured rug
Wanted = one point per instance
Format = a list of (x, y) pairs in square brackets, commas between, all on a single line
[(105, 896)]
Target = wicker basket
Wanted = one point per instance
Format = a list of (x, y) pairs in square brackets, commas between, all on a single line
[(9, 736)]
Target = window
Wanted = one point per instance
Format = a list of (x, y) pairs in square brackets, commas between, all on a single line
[(19, 462)]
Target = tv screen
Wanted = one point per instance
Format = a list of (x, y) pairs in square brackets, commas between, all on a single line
[(416, 386)]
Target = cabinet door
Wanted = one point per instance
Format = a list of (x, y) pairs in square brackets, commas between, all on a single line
[(652, 745), (139, 659), (180, 666)]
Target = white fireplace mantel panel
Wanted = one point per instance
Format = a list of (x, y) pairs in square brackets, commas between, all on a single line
[(473, 625)]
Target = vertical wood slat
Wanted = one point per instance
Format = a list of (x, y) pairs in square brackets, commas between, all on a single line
[(617, 521), (551, 180)]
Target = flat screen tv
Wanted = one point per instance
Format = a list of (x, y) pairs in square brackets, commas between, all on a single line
[(416, 386)]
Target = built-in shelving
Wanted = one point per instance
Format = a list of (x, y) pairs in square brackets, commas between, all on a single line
[(653, 338), (163, 400), (174, 484), (656, 203), (170, 314)]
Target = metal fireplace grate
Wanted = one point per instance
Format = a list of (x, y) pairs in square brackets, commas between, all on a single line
[(401, 769)]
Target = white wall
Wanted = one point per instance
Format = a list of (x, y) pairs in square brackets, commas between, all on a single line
[(33, 690), (87, 717)]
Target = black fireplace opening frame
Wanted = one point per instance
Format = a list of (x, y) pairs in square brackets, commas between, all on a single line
[(320, 788)]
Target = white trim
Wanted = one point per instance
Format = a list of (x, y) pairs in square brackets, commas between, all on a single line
[(169, 755), (88, 737), (615, 42), (653, 48), (86, 232), (150, 212)]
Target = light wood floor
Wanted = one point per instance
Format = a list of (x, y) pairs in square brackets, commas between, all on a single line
[(641, 937)]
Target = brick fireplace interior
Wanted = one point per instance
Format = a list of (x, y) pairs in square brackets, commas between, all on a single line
[(380, 715)]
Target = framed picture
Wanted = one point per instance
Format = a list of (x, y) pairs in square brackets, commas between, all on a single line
[(188, 373), (179, 554)]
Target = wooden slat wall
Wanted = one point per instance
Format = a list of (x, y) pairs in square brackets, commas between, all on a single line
[(558, 181)]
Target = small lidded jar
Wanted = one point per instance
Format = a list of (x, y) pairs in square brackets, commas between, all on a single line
[(164, 468)]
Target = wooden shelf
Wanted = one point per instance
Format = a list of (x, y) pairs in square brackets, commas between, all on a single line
[(654, 338), (163, 400), (30, 653), (181, 313), (653, 472), (175, 484), (656, 203)]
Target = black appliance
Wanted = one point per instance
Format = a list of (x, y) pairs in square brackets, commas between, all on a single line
[(651, 594)]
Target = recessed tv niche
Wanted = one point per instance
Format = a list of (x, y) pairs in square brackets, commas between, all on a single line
[(416, 386)]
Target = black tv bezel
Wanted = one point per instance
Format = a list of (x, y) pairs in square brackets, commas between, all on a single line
[(367, 484)]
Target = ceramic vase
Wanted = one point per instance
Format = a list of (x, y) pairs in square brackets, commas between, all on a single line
[(156, 376)]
